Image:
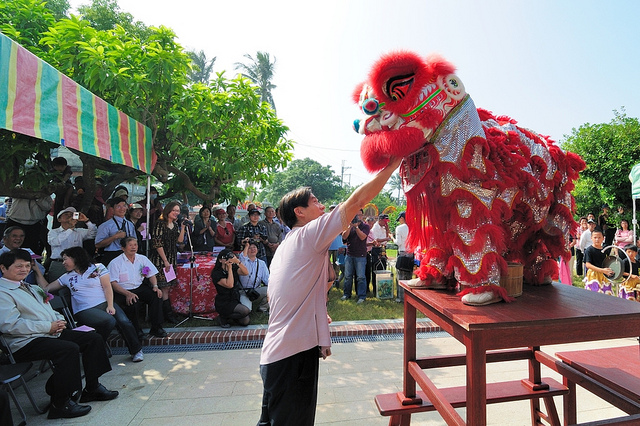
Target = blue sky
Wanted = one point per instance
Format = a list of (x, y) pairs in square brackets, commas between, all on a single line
[(551, 65)]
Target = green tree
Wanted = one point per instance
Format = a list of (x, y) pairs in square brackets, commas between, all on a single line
[(201, 67), (322, 180), (59, 8), (395, 183), (610, 151), (260, 70), (24, 21), (208, 137), (106, 15)]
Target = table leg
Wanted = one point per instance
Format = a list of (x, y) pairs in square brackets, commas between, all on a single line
[(476, 380), (409, 383), (569, 402)]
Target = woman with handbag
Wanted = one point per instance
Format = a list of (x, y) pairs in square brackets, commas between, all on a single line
[(226, 277)]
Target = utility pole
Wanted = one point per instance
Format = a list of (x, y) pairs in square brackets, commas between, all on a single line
[(342, 173)]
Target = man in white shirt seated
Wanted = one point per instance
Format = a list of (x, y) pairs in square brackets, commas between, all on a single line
[(127, 272), (13, 239), (67, 236), (258, 277)]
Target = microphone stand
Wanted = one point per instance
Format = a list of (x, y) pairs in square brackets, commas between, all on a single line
[(192, 267)]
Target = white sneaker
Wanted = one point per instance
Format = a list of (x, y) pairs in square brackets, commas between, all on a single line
[(138, 357)]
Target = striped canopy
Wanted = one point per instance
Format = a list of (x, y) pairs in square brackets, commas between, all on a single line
[(39, 101), (634, 177)]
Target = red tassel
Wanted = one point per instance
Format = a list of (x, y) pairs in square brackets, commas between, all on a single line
[(497, 290)]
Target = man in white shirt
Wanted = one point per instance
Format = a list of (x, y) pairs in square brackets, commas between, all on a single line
[(258, 275), (66, 236), (402, 232), (380, 233), (127, 273), (585, 238)]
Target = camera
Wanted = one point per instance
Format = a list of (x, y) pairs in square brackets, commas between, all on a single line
[(76, 215), (230, 256), (355, 220)]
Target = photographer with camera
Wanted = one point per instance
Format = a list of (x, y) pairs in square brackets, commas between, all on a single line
[(226, 277), (255, 283), (66, 236), (355, 237)]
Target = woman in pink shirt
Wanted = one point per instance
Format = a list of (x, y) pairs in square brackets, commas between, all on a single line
[(624, 236)]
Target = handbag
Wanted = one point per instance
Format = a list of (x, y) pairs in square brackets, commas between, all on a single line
[(252, 293)]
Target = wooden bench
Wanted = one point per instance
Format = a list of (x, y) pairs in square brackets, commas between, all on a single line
[(391, 404), (612, 374)]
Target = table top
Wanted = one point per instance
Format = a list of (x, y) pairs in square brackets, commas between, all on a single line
[(618, 368), (550, 314)]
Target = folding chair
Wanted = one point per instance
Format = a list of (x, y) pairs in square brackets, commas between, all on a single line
[(5, 348), (11, 373), (60, 303)]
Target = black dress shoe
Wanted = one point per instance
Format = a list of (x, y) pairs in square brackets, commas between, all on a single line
[(69, 410), (158, 332), (100, 394)]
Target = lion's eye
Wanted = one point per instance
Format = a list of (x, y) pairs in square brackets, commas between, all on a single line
[(398, 87)]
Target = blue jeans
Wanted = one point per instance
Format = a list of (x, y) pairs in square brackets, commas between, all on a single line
[(357, 265), (98, 318)]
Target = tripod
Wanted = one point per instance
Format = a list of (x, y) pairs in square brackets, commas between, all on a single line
[(192, 267)]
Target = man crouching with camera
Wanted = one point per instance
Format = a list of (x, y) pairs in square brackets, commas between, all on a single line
[(255, 283)]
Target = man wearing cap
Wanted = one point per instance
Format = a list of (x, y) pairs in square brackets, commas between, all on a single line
[(380, 231), (113, 230), (13, 239), (402, 232), (66, 236), (254, 231), (136, 216)]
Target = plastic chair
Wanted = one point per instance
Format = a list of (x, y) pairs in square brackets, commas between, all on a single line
[(7, 351)]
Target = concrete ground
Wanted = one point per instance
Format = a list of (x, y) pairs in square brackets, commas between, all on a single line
[(223, 387)]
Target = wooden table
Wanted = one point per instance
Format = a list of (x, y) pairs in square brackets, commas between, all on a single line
[(545, 315), (613, 374)]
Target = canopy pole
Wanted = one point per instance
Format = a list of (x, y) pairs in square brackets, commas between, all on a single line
[(149, 214)]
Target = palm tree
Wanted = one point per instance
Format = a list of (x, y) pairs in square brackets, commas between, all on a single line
[(260, 70), (201, 68), (395, 182)]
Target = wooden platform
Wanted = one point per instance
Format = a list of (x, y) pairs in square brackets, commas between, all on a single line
[(390, 404)]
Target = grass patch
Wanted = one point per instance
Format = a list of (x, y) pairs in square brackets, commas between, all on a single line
[(339, 310)]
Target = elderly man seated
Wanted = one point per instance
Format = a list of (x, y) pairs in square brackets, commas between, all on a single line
[(34, 331), (127, 273), (13, 239)]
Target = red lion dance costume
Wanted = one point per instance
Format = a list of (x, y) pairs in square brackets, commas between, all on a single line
[(481, 191)]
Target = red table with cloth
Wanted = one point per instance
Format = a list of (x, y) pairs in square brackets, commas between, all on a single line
[(204, 292)]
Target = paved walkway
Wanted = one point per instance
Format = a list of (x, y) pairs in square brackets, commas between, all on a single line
[(223, 387)]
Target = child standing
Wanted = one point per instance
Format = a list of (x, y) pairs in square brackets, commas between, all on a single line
[(593, 259), (631, 288)]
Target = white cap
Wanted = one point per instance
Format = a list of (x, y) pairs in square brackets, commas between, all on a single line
[(68, 209)]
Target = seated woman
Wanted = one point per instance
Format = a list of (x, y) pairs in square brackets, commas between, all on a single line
[(92, 298), (204, 231), (225, 233), (226, 277)]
